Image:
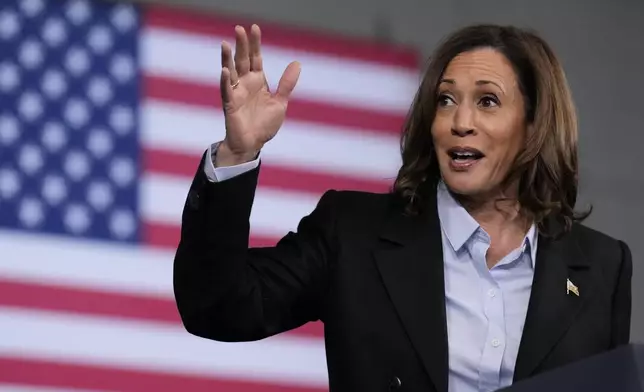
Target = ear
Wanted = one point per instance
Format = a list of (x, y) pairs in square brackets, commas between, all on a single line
[(530, 128), (530, 133)]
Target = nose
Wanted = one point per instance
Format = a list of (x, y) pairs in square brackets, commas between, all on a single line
[(463, 121)]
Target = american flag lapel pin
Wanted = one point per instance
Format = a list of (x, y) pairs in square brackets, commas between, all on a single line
[(570, 287)]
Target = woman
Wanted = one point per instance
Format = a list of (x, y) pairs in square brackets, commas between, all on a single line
[(474, 272)]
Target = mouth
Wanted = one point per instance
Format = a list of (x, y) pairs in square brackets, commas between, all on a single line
[(463, 158)]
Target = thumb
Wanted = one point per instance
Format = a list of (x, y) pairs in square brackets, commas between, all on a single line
[(287, 82)]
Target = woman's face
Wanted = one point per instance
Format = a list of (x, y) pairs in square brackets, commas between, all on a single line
[(479, 126)]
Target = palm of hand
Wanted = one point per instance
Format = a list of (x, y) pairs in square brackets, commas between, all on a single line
[(253, 114)]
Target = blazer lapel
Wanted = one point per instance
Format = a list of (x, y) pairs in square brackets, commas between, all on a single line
[(552, 308), (410, 261)]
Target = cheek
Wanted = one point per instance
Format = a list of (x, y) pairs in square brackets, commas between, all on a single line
[(506, 146), (515, 140), (441, 129), (506, 135)]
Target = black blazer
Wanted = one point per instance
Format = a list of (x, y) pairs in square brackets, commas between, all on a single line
[(374, 277)]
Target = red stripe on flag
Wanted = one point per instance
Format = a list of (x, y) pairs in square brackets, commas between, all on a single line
[(272, 176), (291, 38), (87, 301), (105, 304), (31, 372), (181, 91)]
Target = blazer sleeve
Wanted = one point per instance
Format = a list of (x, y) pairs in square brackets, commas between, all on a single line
[(225, 290), (621, 318)]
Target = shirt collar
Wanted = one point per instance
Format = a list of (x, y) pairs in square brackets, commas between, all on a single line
[(459, 226), (530, 242)]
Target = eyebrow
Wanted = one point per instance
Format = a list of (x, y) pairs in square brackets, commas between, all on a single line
[(478, 82)]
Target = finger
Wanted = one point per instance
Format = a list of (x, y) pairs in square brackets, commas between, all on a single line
[(255, 48), (242, 59), (225, 86), (227, 61), (287, 82)]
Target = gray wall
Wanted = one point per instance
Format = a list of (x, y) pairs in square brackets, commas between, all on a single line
[(601, 44)]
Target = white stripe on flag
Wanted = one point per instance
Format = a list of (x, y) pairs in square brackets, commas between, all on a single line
[(274, 212), (195, 57), (161, 348), (95, 265), (190, 129)]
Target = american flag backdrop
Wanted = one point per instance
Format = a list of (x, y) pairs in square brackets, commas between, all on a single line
[(105, 111)]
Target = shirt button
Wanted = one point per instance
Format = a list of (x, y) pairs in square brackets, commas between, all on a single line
[(495, 342), (491, 293)]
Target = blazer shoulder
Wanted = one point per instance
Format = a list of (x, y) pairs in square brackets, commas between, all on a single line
[(358, 207), (589, 237), (602, 248), (352, 198)]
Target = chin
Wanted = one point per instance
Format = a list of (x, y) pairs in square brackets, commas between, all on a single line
[(466, 185)]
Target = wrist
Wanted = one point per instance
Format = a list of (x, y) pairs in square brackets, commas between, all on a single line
[(225, 156)]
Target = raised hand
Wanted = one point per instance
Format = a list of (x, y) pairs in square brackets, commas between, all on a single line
[(253, 113)]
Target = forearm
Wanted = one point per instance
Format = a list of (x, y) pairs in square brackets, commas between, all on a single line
[(228, 292), (214, 287)]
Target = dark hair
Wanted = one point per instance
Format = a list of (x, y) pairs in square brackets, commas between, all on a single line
[(547, 165)]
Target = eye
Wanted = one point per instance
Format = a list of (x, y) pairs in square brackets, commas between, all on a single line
[(489, 101), (445, 100)]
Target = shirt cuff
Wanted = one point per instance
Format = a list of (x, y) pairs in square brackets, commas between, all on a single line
[(219, 174)]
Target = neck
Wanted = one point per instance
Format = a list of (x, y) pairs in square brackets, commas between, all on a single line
[(497, 212), (502, 218)]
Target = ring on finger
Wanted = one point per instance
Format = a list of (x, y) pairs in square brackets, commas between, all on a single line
[(234, 85)]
